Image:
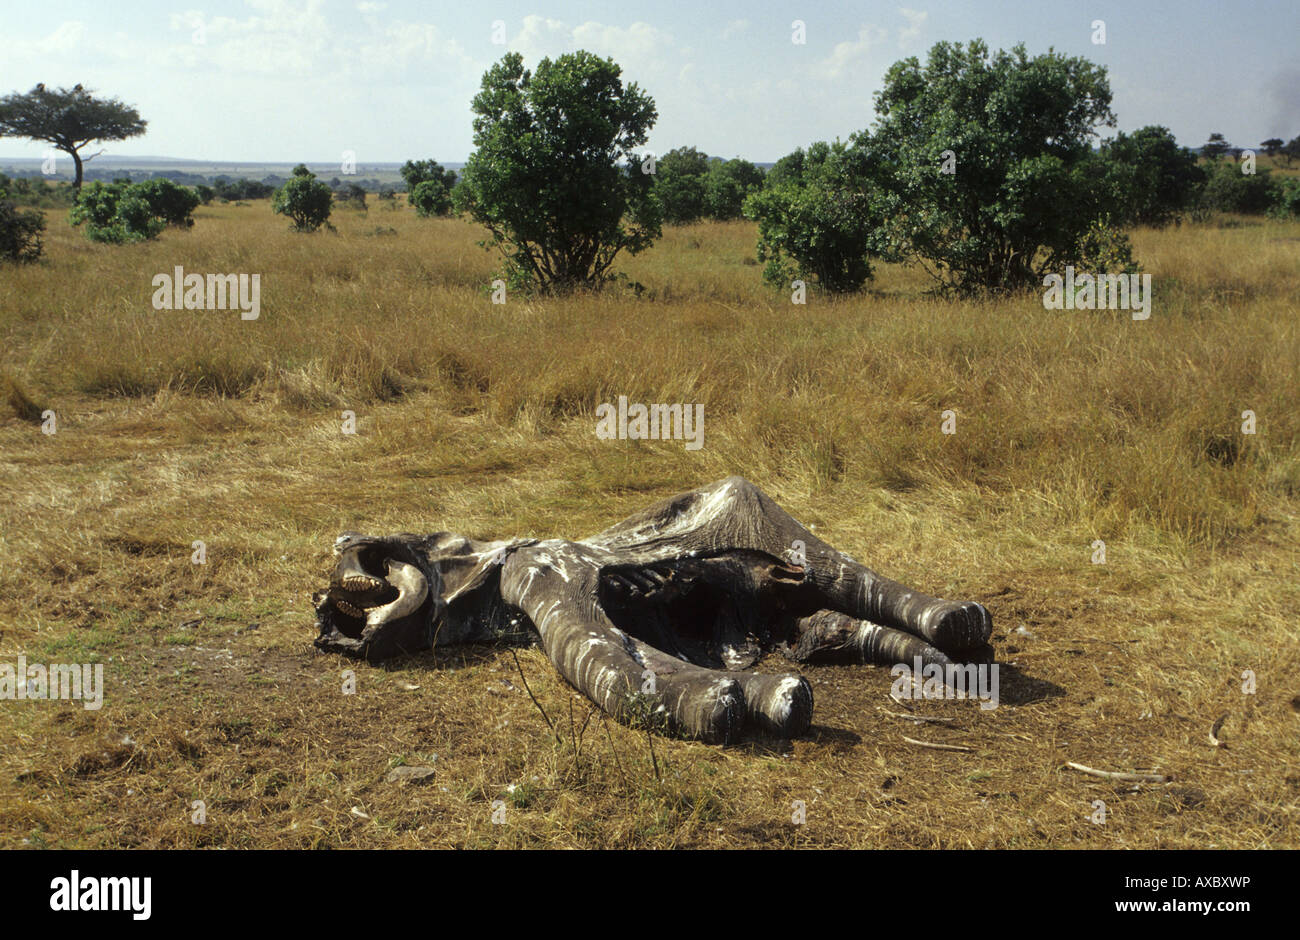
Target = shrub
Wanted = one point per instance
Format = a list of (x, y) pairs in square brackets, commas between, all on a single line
[(824, 222), (304, 199), (430, 198), (115, 214), (1148, 176), (1015, 132), (554, 176), (1287, 205), (20, 231), (435, 197), (679, 185), (727, 185), (1230, 190), (168, 201)]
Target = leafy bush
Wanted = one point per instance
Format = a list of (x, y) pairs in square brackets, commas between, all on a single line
[(1287, 205), (727, 185), (304, 199), (1230, 190), (168, 201), (428, 186), (1147, 178), (823, 222), (115, 214), (430, 198), (20, 230), (205, 193), (554, 177), (1106, 248), (679, 185), (1015, 131)]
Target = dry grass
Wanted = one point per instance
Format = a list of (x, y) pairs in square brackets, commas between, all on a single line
[(1071, 426)]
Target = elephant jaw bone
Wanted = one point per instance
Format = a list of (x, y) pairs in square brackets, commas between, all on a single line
[(361, 601), (412, 591)]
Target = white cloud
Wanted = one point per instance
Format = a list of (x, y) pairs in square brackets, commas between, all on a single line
[(66, 37), (735, 28), (846, 55), (636, 48), (915, 21)]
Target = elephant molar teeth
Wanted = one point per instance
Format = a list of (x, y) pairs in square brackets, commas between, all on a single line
[(349, 609), (359, 583)]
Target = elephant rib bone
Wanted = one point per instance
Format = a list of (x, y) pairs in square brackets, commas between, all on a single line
[(1119, 775), (918, 719), (938, 747)]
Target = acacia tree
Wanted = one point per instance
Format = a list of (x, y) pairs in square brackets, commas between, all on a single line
[(553, 176), (68, 118)]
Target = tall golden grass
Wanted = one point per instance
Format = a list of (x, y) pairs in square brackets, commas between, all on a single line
[(1071, 426)]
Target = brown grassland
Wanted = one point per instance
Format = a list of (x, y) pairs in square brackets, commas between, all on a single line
[(1071, 426)]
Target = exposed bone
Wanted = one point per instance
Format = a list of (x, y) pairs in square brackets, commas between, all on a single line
[(919, 719), (1120, 775), (937, 747), (1214, 731), (412, 589), (659, 617)]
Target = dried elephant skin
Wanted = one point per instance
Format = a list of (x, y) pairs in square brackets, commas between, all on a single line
[(660, 615)]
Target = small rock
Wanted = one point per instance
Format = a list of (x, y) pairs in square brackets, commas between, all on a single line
[(405, 774)]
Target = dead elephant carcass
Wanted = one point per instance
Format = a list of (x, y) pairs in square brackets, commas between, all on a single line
[(665, 611)]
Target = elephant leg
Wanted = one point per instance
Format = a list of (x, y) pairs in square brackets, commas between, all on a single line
[(628, 678), (777, 705), (954, 627), (829, 636)]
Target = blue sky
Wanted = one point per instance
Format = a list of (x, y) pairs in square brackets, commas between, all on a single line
[(288, 80)]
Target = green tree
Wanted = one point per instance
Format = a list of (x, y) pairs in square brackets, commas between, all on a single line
[(1287, 205), (20, 229), (825, 222), (69, 119), (435, 198), (1229, 190), (1272, 145), (304, 199), (679, 185), (116, 213), (1147, 178), (554, 177), (1291, 150), (430, 198), (986, 161), (1215, 148), (168, 201), (789, 169), (727, 185)]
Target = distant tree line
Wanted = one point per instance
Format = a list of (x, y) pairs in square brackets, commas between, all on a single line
[(985, 169)]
